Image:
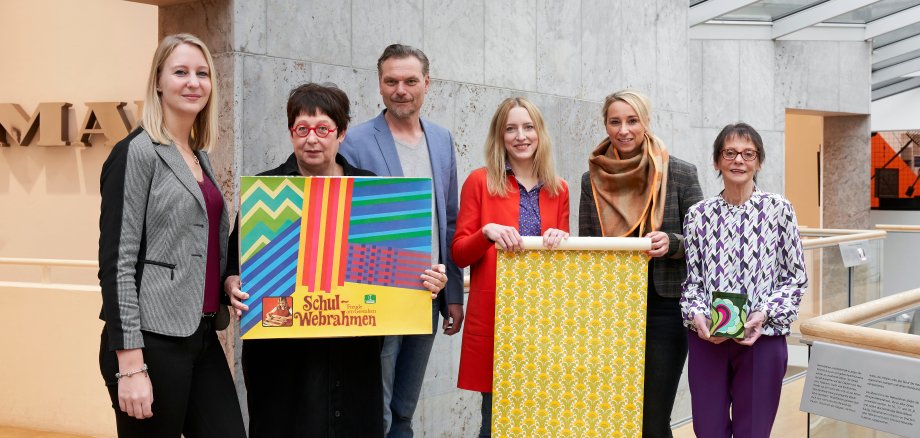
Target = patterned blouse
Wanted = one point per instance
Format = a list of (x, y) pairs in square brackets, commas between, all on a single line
[(753, 249), (529, 218)]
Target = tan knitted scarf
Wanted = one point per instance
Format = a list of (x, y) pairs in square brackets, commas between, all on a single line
[(629, 194)]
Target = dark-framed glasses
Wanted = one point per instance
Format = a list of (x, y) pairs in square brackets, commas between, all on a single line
[(303, 130), (730, 154)]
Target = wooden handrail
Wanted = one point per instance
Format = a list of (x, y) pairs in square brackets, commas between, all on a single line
[(842, 327), (837, 237), (898, 228), (49, 262)]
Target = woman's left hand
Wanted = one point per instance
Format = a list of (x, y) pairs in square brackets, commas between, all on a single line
[(553, 237), (752, 329), (435, 279), (660, 243)]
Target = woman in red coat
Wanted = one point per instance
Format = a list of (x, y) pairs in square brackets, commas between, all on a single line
[(516, 194)]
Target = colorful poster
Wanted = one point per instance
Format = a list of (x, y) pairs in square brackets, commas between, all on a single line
[(570, 339), (330, 256)]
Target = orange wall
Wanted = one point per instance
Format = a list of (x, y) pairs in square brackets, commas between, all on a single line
[(72, 51), (804, 137)]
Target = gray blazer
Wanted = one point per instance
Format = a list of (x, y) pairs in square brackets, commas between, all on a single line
[(370, 146), (670, 271), (153, 242)]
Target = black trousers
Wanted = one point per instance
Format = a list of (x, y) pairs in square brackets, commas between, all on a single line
[(193, 391), (665, 353)]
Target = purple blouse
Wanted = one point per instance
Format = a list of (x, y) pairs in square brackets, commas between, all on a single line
[(215, 205), (529, 209), (753, 249)]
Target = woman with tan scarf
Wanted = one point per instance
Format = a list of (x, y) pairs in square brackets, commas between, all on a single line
[(634, 188)]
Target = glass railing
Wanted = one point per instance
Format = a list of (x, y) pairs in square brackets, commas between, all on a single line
[(890, 325)]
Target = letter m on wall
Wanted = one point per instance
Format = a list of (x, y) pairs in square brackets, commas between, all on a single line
[(49, 120)]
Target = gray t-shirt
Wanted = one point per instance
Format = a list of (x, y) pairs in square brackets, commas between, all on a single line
[(416, 163)]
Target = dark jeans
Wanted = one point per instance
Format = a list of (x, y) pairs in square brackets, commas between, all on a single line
[(403, 362), (193, 391), (485, 429), (665, 353)]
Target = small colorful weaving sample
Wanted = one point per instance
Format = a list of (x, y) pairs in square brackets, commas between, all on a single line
[(729, 313), (335, 256), (569, 343)]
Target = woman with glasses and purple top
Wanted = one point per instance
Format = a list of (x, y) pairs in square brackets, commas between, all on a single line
[(743, 241), (308, 388)]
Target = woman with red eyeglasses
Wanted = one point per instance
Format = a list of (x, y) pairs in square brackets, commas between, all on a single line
[(319, 387)]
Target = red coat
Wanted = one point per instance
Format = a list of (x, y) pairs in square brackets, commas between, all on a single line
[(471, 248)]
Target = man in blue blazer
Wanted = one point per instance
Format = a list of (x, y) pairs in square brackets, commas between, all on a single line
[(399, 142)]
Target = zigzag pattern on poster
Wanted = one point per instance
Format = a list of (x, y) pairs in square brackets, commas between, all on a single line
[(270, 272), (371, 264), (269, 205)]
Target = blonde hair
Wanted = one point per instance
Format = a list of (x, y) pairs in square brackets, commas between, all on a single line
[(204, 129), (496, 156), (640, 104)]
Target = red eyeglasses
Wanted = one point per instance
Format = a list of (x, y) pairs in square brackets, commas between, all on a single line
[(302, 130)]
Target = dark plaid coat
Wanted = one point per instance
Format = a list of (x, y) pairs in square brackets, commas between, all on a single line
[(683, 189)]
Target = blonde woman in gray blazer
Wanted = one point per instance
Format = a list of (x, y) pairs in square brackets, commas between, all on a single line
[(162, 251)]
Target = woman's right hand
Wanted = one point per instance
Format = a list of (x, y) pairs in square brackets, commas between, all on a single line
[(232, 288), (506, 237), (135, 393), (701, 324)]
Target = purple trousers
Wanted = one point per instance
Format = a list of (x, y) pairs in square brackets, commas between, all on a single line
[(730, 376)]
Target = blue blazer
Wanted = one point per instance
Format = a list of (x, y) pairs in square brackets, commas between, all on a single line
[(370, 146)]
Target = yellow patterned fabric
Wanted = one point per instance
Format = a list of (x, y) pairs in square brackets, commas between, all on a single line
[(569, 343)]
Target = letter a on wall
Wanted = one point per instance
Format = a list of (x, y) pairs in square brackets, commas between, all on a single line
[(570, 339), (330, 256)]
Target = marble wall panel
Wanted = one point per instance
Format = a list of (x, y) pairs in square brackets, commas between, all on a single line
[(558, 48), (662, 126), (681, 138), (510, 46), (770, 178), (473, 109), (360, 84), (250, 26), (854, 90), (823, 75), (639, 55), (439, 103), (225, 155), (701, 156), (265, 83), (845, 184), (790, 67), (210, 20), (311, 30), (672, 59), (756, 84), (721, 82), (377, 24), (601, 49), (695, 82), (454, 39), (585, 130)]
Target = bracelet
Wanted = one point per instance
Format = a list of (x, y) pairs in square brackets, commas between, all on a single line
[(143, 369)]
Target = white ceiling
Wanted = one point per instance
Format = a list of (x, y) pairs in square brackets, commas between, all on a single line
[(892, 26)]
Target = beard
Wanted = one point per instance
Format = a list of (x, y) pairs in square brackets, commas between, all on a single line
[(403, 109)]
